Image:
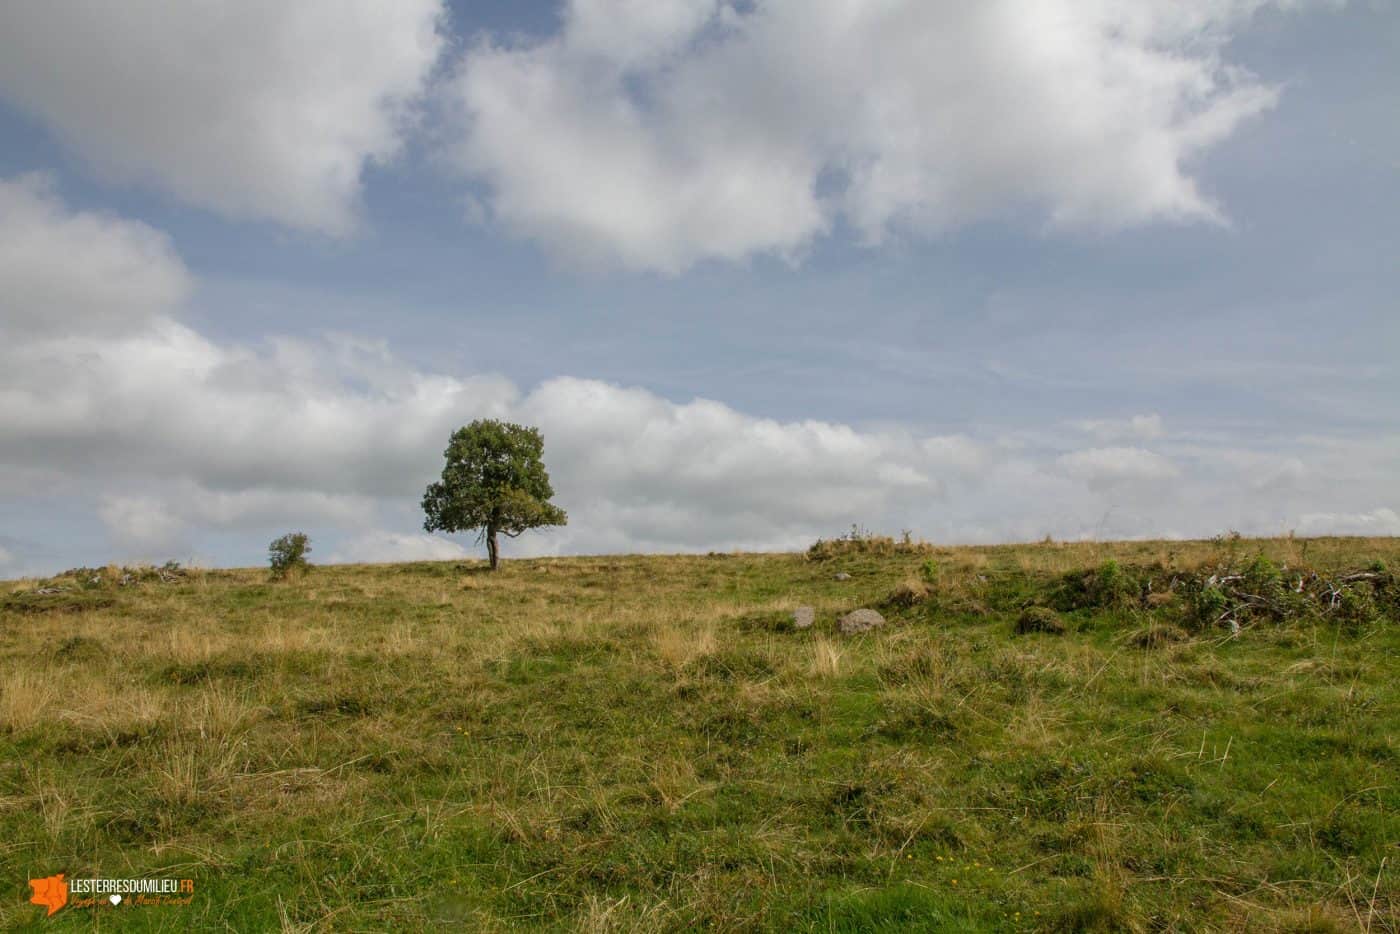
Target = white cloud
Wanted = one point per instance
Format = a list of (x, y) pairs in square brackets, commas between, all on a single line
[(6, 557), (160, 520), (1111, 468), (169, 437), (657, 135), (67, 271), (177, 432), (958, 455), (688, 475), (256, 109), (142, 525), (381, 547), (1382, 521)]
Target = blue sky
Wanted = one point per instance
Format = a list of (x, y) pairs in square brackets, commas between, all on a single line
[(759, 271)]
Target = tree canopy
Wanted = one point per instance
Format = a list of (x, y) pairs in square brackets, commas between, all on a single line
[(494, 482)]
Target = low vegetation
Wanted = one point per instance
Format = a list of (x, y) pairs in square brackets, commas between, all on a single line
[(287, 554), (1121, 737)]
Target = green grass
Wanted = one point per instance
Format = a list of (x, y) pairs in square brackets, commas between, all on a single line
[(643, 743)]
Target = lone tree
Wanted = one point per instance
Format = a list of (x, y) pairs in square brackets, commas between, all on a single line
[(494, 482), (288, 554)]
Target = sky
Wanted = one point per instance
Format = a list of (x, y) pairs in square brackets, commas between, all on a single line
[(759, 270)]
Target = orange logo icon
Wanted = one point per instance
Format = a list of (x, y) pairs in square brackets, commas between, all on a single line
[(51, 892)]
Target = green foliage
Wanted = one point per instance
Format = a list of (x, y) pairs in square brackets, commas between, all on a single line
[(1114, 587), (1109, 586), (928, 571), (494, 482), (288, 553), (1262, 576), (1205, 603), (1356, 604), (68, 601), (83, 577)]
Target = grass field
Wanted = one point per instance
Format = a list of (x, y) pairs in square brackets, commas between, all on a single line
[(640, 743)]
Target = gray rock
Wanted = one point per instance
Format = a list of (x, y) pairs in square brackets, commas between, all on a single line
[(803, 617), (842, 576), (860, 621)]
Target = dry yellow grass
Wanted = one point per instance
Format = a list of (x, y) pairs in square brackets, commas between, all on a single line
[(826, 657), (640, 744), (681, 645)]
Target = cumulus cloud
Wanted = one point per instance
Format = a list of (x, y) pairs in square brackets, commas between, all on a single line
[(256, 109), (176, 505), (232, 436), (681, 473), (64, 270), (316, 416), (183, 432), (660, 134)]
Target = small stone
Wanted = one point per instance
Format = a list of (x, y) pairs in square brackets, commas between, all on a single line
[(842, 576), (860, 621), (803, 617)]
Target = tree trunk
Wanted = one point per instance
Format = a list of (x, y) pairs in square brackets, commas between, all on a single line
[(492, 549)]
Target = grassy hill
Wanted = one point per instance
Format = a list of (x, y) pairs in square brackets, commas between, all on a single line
[(627, 743)]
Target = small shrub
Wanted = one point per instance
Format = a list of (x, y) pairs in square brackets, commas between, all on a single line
[(1039, 619), (1112, 586), (1263, 578), (908, 594), (928, 572), (1205, 603), (1356, 604), (859, 541), (1109, 586), (288, 553), (86, 578)]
